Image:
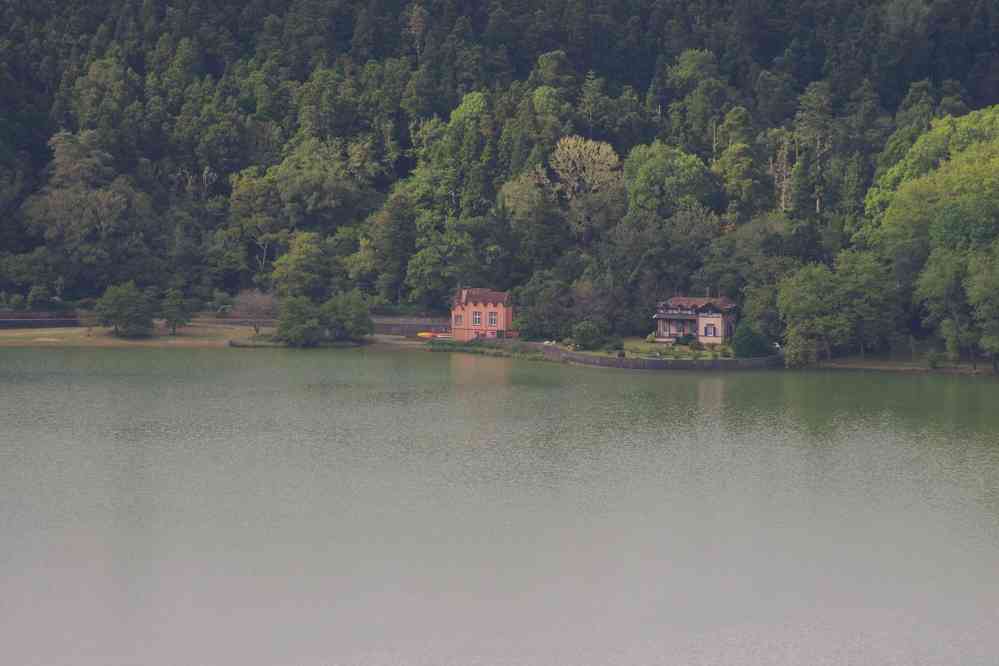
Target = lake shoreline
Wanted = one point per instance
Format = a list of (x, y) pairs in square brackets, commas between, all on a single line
[(188, 337), (709, 365), (903, 367), (217, 336)]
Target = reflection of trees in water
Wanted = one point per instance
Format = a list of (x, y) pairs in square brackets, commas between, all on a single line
[(821, 401)]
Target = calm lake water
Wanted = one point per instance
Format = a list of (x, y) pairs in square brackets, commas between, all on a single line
[(266, 507)]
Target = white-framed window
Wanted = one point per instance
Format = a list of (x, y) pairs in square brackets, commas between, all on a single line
[(476, 318), (492, 320), (711, 331), (459, 320)]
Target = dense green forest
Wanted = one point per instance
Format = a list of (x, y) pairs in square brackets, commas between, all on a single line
[(830, 164)]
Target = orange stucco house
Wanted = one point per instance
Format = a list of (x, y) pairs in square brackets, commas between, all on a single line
[(710, 320), (481, 313)]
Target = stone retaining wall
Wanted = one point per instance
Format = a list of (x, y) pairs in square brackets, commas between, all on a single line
[(553, 353)]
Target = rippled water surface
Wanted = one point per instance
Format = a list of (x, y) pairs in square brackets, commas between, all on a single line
[(378, 507)]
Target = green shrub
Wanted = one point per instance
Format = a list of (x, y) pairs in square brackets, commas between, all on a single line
[(221, 302), (749, 343), (650, 338), (588, 335), (346, 316), (799, 351), (300, 323), (175, 310), (935, 359), (686, 340), (39, 298), (15, 302), (127, 309)]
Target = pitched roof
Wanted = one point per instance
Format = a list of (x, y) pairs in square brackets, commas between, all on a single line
[(466, 296), (690, 303)]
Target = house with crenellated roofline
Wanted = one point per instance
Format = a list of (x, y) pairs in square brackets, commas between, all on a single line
[(481, 314)]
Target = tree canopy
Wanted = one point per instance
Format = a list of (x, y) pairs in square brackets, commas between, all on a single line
[(594, 157)]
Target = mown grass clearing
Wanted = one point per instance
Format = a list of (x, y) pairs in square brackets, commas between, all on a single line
[(97, 336)]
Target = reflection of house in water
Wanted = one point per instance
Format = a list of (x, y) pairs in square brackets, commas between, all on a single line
[(469, 369), (483, 394), (711, 394)]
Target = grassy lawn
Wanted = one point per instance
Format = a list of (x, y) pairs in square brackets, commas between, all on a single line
[(640, 346), (96, 336)]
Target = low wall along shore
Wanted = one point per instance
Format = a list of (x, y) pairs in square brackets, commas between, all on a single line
[(553, 353)]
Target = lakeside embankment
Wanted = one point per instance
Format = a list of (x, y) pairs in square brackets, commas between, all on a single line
[(912, 367), (557, 354), (219, 335), (207, 335)]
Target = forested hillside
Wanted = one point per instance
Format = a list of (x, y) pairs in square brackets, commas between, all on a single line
[(830, 164)]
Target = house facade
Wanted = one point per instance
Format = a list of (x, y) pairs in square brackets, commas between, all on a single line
[(710, 320), (481, 313)]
